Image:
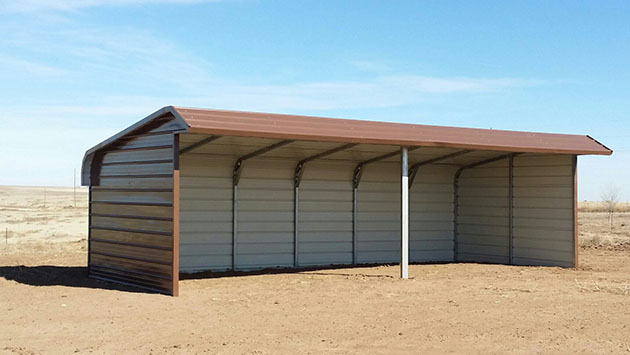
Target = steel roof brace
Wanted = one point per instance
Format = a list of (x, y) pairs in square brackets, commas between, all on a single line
[(356, 179), (456, 193), (198, 144), (358, 170), (236, 177), (238, 166), (413, 170), (299, 168), (297, 180)]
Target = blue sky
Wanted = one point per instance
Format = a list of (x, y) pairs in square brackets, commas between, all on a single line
[(73, 72)]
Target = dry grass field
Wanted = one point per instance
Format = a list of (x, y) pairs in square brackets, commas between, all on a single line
[(47, 305)]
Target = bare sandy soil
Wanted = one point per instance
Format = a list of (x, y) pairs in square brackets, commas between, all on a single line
[(47, 305)]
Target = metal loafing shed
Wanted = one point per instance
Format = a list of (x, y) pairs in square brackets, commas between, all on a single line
[(187, 190)]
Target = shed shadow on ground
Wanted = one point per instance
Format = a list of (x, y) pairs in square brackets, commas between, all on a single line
[(69, 276), (314, 270)]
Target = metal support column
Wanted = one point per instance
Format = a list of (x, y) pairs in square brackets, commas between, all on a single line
[(404, 235), (296, 227), (234, 219), (355, 193), (356, 179), (511, 210)]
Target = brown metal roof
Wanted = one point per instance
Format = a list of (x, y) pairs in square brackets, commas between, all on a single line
[(250, 124)]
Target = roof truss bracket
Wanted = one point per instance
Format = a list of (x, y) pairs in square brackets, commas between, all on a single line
[(484, 162), (299, 168), (358, 170), (456, 195), (413, 170), (238, 166), (198, 144)]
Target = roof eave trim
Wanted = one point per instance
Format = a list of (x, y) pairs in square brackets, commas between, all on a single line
[(227, 132), (610, 151)]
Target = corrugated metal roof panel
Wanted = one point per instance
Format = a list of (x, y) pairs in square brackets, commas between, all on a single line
[(251, 124)]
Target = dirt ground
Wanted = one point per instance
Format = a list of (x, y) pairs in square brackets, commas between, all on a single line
[(47, 305)]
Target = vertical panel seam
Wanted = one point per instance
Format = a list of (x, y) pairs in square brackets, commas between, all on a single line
[(511, 210)]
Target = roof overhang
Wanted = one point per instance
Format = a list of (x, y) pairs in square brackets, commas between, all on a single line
[(293, 127)]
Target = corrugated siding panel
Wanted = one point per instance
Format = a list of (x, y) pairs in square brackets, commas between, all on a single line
[(265, 236), (205, 213), (483, 223), (543, 210), (325, 215), (265, 212), (378, 219), (131, 221), (431, 214)]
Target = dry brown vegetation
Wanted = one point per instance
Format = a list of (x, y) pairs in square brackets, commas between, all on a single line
[(598, 206), (595, 230), (47, 305)]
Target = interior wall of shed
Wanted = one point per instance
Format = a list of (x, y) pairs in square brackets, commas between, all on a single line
[(265, 218), (542, 209), (543, 212)]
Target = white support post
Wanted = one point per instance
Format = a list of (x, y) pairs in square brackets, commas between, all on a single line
[(404, 229)]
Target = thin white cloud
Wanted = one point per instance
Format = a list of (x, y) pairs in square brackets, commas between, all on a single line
[(379, 92), (99, 54), (26, 66), (72, 5), (386, 91), (131, 72)]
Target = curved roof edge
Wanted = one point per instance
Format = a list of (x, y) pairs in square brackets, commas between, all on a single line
[(281, 126), (89, 154)]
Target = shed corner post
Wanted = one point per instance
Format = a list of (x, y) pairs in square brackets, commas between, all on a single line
[(404, 252), (175, 291), (576, 247)]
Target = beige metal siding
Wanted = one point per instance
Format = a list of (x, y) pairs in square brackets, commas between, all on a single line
[(325, 214), (131, 210), (543, 210), (265, 214), (205, 212), (431, 214), (265, 218), (483, 222), (378, 220)]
